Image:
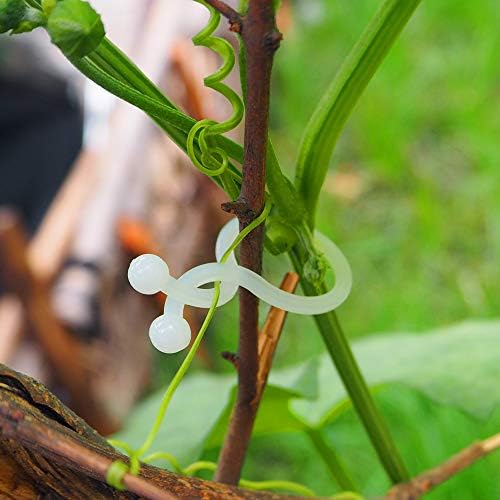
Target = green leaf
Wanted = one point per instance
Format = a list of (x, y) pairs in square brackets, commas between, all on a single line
[(456, 366), (199, 412), (329, 117), (274, 414), (75, 27), (11, 14)]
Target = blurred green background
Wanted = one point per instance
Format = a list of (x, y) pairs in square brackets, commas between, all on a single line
[(413, 199)]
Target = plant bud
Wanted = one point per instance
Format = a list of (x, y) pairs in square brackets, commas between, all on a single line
[(280, 236), (75, 27)]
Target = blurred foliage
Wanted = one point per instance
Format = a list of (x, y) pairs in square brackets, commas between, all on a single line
[(422, 145), (413, 198), (426, 433), (454, 366)]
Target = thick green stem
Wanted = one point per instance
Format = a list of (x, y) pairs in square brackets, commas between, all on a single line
[(113, 63), (129, 71), (333, 462), (340, 351), (329, 117)]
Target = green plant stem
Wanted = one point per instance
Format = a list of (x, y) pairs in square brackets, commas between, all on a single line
[(163, 455), (178, 123), (186, 363), (272, 484), (112, 67), (329, 117), (129, 71), (136, 455), (319, 140), (291, 486), (341, 354), (335, 466), (118, 468), (122, 445), (199, 466)]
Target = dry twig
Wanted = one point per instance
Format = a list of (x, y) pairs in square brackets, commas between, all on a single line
[(428, 480)]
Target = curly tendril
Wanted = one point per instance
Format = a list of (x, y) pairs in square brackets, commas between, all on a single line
[(213, 160)]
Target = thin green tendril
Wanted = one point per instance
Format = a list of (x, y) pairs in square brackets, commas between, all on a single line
[(252, 485), (117, 472), (163, 455), (291, 486), (195, 467), (213, 160), (122, 445)]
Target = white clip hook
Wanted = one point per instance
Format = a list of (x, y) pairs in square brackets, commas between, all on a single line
[(170, 332)]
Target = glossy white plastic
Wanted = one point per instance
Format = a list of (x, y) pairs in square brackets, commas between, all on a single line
[(149, 274)]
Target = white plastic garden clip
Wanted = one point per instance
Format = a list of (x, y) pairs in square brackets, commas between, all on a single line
[(170, 332)]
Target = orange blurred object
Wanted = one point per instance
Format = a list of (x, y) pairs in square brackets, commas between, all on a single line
[(135, 237)]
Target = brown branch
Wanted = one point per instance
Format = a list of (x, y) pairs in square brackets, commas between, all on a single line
[(234, 18), (268, 336), (268, 340), (428, 480), (55, 454), (260, 39), (68, 451), (231, 357)]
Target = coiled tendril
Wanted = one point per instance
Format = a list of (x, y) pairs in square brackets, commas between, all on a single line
[(213, 160)]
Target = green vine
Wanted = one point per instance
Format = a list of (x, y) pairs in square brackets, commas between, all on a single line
[(213, 160), (274, 484)]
